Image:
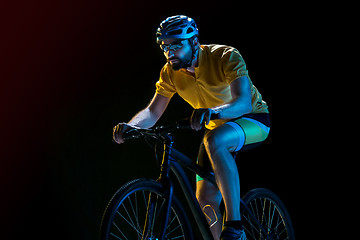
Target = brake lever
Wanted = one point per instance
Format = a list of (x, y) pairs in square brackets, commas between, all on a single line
[(185, 123), (134, 133)]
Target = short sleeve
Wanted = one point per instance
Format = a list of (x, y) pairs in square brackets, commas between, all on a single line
[(164, 86), (233, 65)]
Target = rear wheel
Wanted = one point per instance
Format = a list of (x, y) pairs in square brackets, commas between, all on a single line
[(127, 213), (267, 209)]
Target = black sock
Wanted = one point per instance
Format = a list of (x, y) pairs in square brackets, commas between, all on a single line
[(235, 224)]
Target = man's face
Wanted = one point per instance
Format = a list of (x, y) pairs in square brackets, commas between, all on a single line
[(177, 52)]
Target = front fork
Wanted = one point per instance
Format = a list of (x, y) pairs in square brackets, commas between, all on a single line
[(164, 179)]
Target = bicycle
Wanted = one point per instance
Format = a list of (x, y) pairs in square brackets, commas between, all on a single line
[(148, 210)]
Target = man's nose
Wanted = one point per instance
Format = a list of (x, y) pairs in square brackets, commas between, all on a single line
[(170, 53)]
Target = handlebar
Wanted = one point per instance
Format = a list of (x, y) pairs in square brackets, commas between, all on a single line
[(160, 130)]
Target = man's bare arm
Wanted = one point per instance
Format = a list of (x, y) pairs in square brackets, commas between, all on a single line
[(146, 118)]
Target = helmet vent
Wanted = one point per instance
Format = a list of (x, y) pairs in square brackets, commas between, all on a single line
[(174, 32), (189, 30), (179, 26)]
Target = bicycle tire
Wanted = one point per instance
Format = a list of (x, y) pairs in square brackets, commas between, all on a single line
[(125, 214), (270, 212)]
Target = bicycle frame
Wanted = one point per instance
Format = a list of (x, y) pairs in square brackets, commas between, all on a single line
[(168, 162), (191, 200), (174, 160)]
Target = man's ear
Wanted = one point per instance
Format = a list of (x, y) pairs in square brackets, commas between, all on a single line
[(195, 42)]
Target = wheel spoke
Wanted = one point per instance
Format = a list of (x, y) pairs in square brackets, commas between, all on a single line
[(272, 215), (115, 236), (119, 231), (133, 211), (269, 214), (252, 226), (132, 225), (129, 221)]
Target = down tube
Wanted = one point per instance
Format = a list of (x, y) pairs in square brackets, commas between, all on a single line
[(192, 201)]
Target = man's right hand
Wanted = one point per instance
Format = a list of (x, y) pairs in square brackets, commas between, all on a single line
[(118, 132)]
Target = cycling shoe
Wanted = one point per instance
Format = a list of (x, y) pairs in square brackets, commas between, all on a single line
[(230, 233)]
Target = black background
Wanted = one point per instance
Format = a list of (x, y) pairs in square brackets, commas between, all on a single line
[(71, 70)]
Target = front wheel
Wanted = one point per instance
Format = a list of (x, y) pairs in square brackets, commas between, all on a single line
[(129, 215), (269, 211)]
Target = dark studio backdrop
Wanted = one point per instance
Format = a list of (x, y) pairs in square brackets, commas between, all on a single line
[(71, 70)]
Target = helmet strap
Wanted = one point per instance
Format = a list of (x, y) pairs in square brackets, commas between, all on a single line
[(193, 53)]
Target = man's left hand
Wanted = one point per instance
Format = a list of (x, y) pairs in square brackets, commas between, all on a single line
[(199, 116)]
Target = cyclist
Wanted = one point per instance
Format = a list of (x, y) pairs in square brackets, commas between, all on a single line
[(213, 79)]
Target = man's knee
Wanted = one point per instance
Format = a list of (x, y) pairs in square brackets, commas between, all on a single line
[(221, 138), (212, 141)]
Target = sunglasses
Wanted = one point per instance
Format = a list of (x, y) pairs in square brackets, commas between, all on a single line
[(173, 46)]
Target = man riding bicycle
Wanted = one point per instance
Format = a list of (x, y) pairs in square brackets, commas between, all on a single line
[(213, 79)]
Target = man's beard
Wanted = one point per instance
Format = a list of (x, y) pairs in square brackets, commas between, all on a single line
[(180, 64)]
